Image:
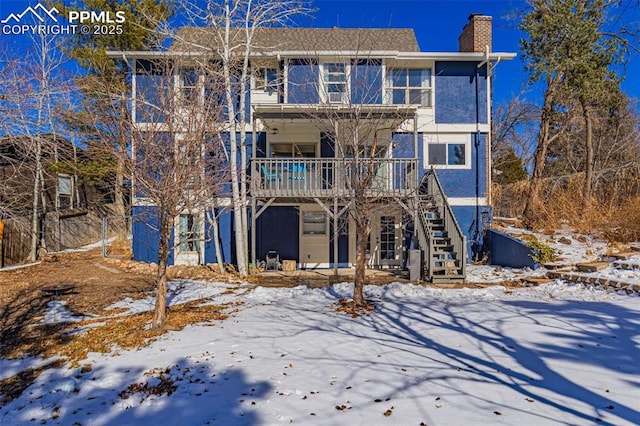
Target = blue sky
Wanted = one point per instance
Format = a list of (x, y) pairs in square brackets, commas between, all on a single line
[(437, 24)]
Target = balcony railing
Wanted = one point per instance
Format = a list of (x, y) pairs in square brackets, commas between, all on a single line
[(330, 177)]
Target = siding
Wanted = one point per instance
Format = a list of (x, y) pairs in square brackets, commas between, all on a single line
[(225, 236), (456, 85), (277, 229), (462, 182), (146, 238)]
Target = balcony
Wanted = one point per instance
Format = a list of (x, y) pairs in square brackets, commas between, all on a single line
[(332, 177)]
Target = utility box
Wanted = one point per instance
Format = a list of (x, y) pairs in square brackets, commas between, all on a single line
[(288, 265), (415, 264)]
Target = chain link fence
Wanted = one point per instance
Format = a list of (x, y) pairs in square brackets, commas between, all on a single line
[(116, 237)]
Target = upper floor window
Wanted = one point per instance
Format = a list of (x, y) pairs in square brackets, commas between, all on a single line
[(188, 83), (266, 79), (409, 86), (447, 154), (335, 82), (65, 185)]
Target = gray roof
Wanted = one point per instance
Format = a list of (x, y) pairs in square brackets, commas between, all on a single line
[(308, 40)]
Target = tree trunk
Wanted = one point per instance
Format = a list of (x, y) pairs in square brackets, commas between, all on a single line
[(216, 240), (160, 311), (35, 218), (362, 235), (533, 208), (239, 234), (589, 154)]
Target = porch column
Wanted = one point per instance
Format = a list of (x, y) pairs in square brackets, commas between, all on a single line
[(253, 234), (335, 236)]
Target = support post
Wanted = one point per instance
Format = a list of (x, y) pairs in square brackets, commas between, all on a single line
[(253, 233), (335, 235)]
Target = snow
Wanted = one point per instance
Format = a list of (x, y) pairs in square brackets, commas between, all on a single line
[(553, 354), (57, 312)]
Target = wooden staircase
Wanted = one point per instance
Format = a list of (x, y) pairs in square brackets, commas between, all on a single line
[(442, 243)]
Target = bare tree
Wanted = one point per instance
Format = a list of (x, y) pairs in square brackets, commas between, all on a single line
[(224, 41), (176, 166), (366, 179), (35, 87)]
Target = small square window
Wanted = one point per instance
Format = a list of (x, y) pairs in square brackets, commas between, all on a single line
[(450, 154), (314, 223)]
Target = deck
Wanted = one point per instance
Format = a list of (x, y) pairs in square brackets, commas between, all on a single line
[(332, 177)]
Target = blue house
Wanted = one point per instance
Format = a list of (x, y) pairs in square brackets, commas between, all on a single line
[(337, 115)]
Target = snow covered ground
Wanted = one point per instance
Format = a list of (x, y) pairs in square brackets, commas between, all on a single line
[(547, 355)]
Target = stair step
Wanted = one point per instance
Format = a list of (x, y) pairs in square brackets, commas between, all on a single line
[(447, 278), (446, 263), (441, 270)]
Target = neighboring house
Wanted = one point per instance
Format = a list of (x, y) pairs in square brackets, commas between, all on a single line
[(427, 111), (69, 209)]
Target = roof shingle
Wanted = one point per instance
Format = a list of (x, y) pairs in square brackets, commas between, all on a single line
[(306, 40)]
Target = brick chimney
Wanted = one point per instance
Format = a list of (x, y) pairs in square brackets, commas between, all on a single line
[(476, 34)]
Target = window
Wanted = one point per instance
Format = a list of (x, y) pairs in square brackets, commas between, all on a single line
[(64, 191), (189, 235), (449, 154), (266, 79), (409, 86), (288, 150), (314, 223), (335, 82), (188, 83)]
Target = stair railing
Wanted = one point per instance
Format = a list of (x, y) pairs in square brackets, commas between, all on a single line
[(434, 190), (425, 238)]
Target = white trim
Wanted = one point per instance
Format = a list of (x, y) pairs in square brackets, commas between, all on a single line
[(323, 96), (446, 139), (147, 202), (448, 56), (453, 128), (189, 257), (467, 201)]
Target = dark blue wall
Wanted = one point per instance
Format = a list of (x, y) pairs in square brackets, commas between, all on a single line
[(277, 229), (343, 242), (403, 145), (146, 238), (456, 86), (504, 250), (302, 87), (224, 235), (366, 81), (462, 182), (455, 182)]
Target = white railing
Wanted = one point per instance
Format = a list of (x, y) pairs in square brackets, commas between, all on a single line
[(326, 177)]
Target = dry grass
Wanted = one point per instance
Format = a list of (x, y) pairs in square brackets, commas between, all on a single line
[(110, 334), (564, 204), (349, 307)]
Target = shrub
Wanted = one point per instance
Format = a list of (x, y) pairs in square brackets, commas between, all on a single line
[(542, 252)]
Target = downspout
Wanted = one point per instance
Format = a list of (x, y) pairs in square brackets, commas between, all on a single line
[(476, 144)]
